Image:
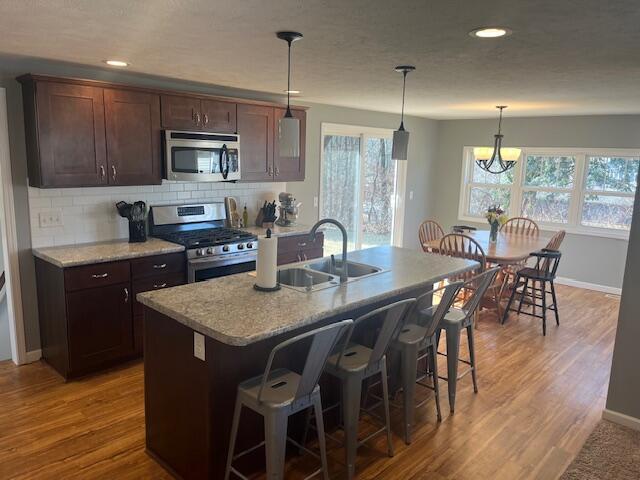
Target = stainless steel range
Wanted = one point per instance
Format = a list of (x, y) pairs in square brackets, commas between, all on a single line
[(212, 249)]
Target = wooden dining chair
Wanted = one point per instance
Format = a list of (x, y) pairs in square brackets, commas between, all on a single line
[(428, 231), (520, 226), (463, 246)]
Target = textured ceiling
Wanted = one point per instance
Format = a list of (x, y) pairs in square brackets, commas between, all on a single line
[(564, 57)]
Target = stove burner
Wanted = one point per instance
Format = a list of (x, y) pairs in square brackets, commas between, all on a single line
[(208, 237)]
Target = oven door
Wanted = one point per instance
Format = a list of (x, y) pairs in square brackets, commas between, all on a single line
[(201, 269)]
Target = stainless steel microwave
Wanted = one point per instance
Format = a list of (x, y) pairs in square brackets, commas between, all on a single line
[(201, 156)]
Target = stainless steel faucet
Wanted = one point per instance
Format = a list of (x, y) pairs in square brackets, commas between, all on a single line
[(312, 236)]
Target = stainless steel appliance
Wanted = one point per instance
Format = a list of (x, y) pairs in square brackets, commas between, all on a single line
[(289, 210), (201, 156), (213, 250)]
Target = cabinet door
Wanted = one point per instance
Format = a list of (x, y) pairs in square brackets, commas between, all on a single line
[(133, 137), (70, 135), (255, 127), (289, 168), (99, 325), (218, 117), (181, 112)]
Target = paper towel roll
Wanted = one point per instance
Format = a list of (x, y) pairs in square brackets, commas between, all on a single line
[(267, 262)]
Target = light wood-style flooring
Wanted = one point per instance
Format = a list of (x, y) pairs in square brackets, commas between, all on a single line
[(539, 399)]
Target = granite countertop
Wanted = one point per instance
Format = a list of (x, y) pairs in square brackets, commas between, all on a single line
[(278, 231), (229, 310), (88, 253)]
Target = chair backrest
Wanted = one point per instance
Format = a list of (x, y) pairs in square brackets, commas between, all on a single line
[(520, 225), (323, 341), (556, 240), (429, 231), (425, 301), (463, 246), (547, 262), (479, 285), (393, 317)]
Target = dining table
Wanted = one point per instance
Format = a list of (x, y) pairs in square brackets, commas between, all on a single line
[(509, 249)]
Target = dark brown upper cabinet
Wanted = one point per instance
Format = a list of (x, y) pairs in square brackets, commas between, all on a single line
[(85, 135), (133, 137), (255, 127), (289, 168), (65, 135), (181, 112)]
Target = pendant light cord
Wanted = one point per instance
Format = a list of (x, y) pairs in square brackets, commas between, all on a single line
[(500, 120), (404, 85), (288, 113)]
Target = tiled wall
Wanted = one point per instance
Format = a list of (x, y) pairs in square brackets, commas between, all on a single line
[(89, 214)]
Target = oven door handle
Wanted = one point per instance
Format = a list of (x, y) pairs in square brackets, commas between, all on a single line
[(224, 159)]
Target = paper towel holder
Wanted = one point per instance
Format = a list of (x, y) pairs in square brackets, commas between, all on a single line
[(269, 289)]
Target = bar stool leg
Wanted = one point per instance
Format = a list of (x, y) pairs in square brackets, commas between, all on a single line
[(409, 362), (511, 297), (522, 295), (234, 433), (555, 303), (543, 294), (275, 436), (433, 356), (351, 391), (453, 353), (317, 408), (387, 416), (472, 357)]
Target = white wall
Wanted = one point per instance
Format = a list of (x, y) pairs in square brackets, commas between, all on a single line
[(89, 214), (585, 258)]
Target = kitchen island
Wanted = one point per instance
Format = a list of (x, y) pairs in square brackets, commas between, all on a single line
[(190, 387)]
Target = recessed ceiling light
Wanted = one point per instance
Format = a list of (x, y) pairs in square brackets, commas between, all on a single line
[(116, 63), (490, 32), (292, 92)]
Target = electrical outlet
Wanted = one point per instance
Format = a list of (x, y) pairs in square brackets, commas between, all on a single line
[(52, 218), (315, 202), (198, 346)]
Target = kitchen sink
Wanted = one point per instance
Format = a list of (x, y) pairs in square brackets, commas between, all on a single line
[(304, 279), (334, 267)]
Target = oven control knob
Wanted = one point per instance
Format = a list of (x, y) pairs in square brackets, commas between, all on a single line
[(249, 245), (210, 251), (199, 252), (225, 248), (240, 246)]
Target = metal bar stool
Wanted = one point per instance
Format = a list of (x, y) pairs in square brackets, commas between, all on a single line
[(353, 363), (278, 394), (456, 320), (543, 273), (416, 342)]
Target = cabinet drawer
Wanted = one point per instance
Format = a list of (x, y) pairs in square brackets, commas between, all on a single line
[(97, 275), (156, 282), (158, 265), (297, 243)]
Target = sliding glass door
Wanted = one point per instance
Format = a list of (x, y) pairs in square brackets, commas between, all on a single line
[(361, 186)]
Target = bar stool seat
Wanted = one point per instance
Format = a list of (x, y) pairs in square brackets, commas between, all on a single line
[(456, 316), (280, 393), (354, 359)]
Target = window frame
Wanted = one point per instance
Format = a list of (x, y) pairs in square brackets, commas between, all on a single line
[(577, 193)]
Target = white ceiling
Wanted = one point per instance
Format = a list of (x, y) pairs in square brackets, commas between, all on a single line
[(564, 57)]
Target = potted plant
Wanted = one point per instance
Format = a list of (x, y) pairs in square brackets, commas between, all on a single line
[(496, 217)]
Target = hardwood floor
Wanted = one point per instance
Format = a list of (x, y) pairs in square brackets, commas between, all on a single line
[(539, 399)]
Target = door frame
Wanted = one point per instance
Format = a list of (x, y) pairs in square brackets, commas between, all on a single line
[(9, 241), (327, 128)]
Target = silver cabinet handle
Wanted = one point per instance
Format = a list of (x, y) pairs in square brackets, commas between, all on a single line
[(159, 285), (299, 257), (305, 256), (126, 295), (197, 118), (205, 118), (114, 172), (160, 266), (277, 171), (100, 275), (102, 172), (303, 244), (270, 171)]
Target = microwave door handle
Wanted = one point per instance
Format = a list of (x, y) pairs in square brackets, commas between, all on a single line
[(224, 154)]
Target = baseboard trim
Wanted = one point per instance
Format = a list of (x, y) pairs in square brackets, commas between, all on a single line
[(33, 356), (621, 419), (589, 286)]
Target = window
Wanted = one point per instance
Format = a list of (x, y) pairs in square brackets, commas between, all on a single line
[(581, 191), (361, 186)]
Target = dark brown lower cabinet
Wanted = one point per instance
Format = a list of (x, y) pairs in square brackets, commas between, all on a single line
[(296, 248), (89, 318)]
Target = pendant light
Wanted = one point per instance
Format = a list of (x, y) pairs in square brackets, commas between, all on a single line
[(497, 160), (288, 126), (401, 136)]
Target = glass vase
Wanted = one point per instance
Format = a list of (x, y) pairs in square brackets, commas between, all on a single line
[(493, 234)]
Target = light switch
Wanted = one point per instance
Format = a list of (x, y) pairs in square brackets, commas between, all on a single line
[(315, 202), (410, 194), (51, 218), (198, 346)]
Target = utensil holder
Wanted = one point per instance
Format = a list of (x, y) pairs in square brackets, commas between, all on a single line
[(137, 231)]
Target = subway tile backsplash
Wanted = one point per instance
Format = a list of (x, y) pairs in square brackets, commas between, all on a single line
[(89, 214)]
